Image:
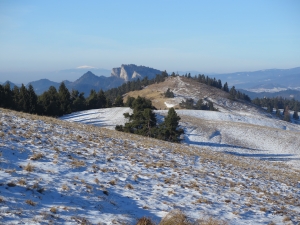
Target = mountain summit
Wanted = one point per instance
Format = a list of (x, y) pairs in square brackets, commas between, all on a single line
[(131, 71)]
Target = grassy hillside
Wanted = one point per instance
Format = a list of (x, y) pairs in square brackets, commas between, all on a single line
[(54, 171)]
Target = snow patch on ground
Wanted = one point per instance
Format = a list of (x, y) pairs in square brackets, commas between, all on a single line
[(88, 175), (169, 105)]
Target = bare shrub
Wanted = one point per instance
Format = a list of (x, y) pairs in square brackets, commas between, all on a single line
[(210, 221), (29, 167), (65, 187), (22, 182), (129, 186), (77, 163), (36, 156), (53, 209), (113, 182), (175, 217), (30, 202), (97, 181), (145, 221)]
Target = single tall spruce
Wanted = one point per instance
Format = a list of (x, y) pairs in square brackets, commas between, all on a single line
[(169, 130), (286, 115), (64, 99)]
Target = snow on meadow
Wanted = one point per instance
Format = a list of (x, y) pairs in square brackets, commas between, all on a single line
[(239, 133), (60, 172)]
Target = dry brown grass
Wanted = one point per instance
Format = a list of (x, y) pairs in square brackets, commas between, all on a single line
[(77, 163), (210, 221), (36, 156), (129, 186), (29, 167), (145, 221), (65, 187), (113, 182), (175, 217), (53, 209), (30, 202)]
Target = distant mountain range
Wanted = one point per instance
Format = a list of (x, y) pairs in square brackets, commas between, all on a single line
[(262, 83), (263, 79), (288, 94), (89, 80)]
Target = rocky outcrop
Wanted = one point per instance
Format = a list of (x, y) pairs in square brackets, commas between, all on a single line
[(131, 72)]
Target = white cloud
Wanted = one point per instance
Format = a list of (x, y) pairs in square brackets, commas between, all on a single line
[(86, 67)]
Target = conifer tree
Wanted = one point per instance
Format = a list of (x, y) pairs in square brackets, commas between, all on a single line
[(23, 99), (64, 99), (32, 99), (1, 95), (118, 101), (169, 130), (92, 100), (49, 103), (8, 100), (225, 87), (129, 101), (16, 98), (78, 101), (286, 115), (142, 121), (295, 115), (101, 100)]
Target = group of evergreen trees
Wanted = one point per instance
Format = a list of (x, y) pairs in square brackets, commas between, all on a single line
[(143, 122), (169, 94), (200, 105), (19, 99), (234, 94), (52, 102), (279, 103)]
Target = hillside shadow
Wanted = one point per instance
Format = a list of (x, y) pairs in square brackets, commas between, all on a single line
[(78, 114), (212, 144), (88, 206), (268, 157)]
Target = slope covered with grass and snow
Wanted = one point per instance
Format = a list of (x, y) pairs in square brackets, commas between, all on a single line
[(53, 171), (253, 135)]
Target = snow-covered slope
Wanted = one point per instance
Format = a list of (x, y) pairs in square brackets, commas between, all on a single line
[(58, 172), (251, 135)]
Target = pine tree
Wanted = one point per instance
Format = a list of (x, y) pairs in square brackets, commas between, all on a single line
[(1, 95), (101, 99), (225, 87), (16, 98), (32, 99), (129, 101), (278, 113), (118, 102), (169, 94), (92, 100), (78, 101), (286, 115), (64, 99), (24, 99), (142, 121), (8, 97), (295, 115), (169, 130), (48, 103), (233, 92)]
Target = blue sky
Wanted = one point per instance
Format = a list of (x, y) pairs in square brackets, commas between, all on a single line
[(207, 36)]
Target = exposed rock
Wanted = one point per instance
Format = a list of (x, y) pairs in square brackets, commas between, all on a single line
[(131, 71)]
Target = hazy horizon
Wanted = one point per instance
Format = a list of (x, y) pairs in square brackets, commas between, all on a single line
[(206, 36)]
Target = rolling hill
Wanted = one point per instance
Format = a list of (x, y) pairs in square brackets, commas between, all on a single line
[(54, 171)]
